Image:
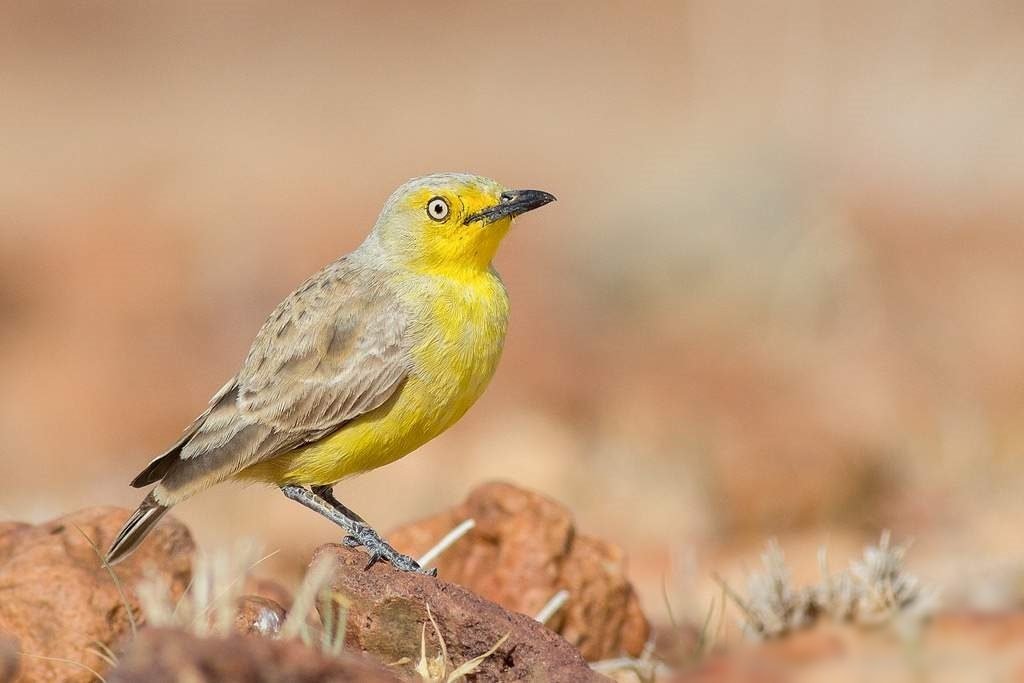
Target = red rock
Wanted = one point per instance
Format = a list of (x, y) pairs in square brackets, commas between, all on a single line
[(258, 616), (721, 668), (524, 549), (770, 661), (388, 610), (995, 630), (59, 601), (10, 533), (168, 656), (9, 659), (953, 647), (269, 589)]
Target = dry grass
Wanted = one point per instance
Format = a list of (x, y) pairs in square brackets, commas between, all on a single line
[(439, 668), (873, 591), (210, 604)]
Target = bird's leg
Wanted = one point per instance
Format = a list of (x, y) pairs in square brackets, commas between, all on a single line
[(327, 494), (359, 531)]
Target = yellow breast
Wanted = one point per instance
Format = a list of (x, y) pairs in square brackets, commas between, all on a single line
[(458, 332)]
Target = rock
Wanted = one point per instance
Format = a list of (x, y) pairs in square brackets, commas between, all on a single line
[(269, 589), (992, 630), (59, 601), (258, 616), (524, 549), (952, 647), (724, 669), (169, 656), (9, 659), (388, 611), (10, 533)]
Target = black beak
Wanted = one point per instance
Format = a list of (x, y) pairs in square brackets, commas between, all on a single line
[(513, 203)]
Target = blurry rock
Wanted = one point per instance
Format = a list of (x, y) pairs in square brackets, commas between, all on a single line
[(984, 629), (773, 661), (726, 669), (58, 599), (10, 532), (269, 589), (989, 646), (259, 616), (954, 647), (678, 646), (167, 656), (388, 610), (523, 550), (8, 659)]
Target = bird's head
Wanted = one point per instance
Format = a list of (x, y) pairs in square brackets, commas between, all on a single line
[(451, 221)]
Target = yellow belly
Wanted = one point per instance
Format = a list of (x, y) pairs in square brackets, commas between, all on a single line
[(459, 337)]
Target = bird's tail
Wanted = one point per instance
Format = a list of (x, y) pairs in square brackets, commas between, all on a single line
[(136, 528)]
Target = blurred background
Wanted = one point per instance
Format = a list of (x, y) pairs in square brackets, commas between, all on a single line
[(780, 294)]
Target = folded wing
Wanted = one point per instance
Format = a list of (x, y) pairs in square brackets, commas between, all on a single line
[(335, 349)]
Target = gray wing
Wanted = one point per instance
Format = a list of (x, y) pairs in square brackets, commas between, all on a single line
[(333, 350)]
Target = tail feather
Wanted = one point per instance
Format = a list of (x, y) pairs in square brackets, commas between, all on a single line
[(136, 529), (158, 469), (162, 464), (165, 462)]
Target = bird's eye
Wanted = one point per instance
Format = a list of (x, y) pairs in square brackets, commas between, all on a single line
[(437, 208)]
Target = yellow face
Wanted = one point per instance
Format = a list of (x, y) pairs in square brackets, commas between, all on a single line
[(451, 220)]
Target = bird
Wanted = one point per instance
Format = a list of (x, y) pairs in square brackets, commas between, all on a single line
[(371, 357)]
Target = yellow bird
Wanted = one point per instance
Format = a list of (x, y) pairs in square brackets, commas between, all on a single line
[(367, 360)]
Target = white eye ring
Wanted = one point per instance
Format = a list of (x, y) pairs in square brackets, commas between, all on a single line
[(437, 209)]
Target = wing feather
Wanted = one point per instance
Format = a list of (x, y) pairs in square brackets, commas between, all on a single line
[(335, 349)]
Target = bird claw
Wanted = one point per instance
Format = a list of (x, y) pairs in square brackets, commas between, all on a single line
[(374, 558), (378, 550)]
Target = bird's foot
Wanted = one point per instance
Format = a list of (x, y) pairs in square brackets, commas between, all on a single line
[(379, 550)]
